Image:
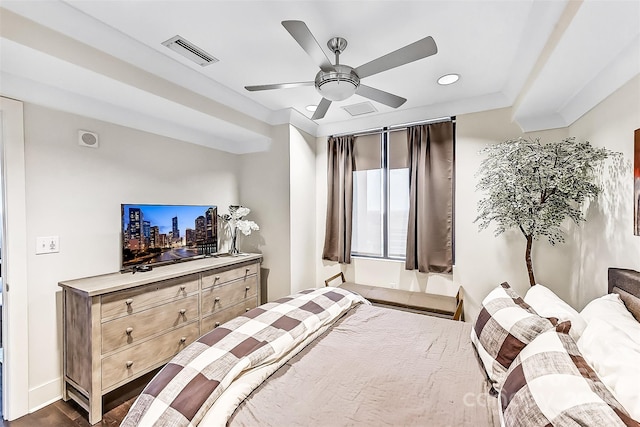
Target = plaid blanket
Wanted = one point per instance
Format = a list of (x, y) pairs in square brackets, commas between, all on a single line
[(550, 384), (182, 392)]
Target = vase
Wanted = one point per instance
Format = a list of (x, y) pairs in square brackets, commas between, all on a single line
[(233, 248)]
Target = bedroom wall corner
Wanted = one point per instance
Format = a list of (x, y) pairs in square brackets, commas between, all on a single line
[(303, 209), (265, 189), (606, 239), (483, 260)]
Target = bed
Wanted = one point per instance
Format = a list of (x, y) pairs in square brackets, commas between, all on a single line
[(328, 357)]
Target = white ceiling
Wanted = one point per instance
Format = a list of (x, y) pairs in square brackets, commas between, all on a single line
[(551, 60)]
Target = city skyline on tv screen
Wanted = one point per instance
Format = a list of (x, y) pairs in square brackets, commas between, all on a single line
[(153, 234)]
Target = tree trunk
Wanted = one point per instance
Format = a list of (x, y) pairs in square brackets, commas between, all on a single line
[(527, 258)]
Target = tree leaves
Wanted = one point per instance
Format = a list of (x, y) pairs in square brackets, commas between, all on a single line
[(534, 187)]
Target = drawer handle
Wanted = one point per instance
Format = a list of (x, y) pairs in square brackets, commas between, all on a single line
[(129, 364), (183, 287), (216, 299), (247, 288), (247, 270), (215, 279), (129, 330), (246, 309), (129, 301), (183, 340), (217, 324), (183, 311)]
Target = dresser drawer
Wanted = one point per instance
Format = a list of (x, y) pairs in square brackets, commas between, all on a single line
[(221, 297), (210, 279), (213, 321), (131, 301), (135, 327), (128, 363)]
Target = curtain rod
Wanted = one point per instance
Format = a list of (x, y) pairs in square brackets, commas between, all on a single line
[(397, 127)]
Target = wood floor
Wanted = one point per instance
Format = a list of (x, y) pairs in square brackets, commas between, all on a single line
[(70, 414)]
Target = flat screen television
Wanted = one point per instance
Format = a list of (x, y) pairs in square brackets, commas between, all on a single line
[(163, 234)]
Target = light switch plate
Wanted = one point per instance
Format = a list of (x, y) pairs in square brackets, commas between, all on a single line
[(47, 245)]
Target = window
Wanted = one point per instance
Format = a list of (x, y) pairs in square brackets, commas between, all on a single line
[(380, 195), (370, 202)]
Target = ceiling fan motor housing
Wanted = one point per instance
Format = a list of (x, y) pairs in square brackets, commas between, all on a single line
[(337, 85)]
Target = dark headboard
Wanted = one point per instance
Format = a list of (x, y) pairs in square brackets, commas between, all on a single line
[(626, 283), (627, 280)]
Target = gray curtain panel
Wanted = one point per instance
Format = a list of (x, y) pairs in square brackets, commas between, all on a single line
[(429, 237), (340, 164)]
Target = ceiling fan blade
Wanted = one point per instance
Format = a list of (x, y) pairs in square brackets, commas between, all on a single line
[(380, 96), (322, 109), (300, 32), (413, 52), (278, 86)]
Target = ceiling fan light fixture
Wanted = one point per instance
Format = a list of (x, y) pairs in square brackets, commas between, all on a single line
[(337, 85), (448, 79)]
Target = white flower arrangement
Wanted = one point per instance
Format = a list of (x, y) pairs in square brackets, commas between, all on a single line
[(234, 222), (247, 226)]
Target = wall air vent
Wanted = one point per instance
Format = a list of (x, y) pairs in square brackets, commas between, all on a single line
[(359, 109), (189, 50)]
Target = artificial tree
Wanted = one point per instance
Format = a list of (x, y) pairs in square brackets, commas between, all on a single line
[(533, 187)]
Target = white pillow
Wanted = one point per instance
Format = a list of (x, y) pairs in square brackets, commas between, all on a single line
[(548, 304), (616, 359), (612, 310)]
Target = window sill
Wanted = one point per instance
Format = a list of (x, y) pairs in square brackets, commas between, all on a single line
[(377, 258)]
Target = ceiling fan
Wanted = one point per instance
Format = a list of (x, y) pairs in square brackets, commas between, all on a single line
[(337, 82)]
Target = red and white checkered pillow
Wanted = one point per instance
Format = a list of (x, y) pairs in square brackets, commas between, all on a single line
[(550, 383), (505, 325)]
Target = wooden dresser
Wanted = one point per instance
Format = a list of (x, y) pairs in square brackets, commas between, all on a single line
[(120, 326)]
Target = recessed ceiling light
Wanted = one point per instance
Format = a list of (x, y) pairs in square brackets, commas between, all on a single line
[(447, 79), (311, 108)]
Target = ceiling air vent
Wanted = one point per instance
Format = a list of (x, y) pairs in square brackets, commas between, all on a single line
[(189, 50), (359, 109)]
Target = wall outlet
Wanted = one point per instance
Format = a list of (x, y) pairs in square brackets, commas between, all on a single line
[(47, 245)]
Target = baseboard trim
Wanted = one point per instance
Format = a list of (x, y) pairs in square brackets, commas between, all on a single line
[(45, 395)]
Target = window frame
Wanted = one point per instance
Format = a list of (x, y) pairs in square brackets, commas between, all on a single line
[(384, 141), (386, 202)]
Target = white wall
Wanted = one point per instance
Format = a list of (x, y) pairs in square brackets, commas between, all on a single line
[(265, 188), (607, 239), (75, 193), (278, 185), (303, 209)]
